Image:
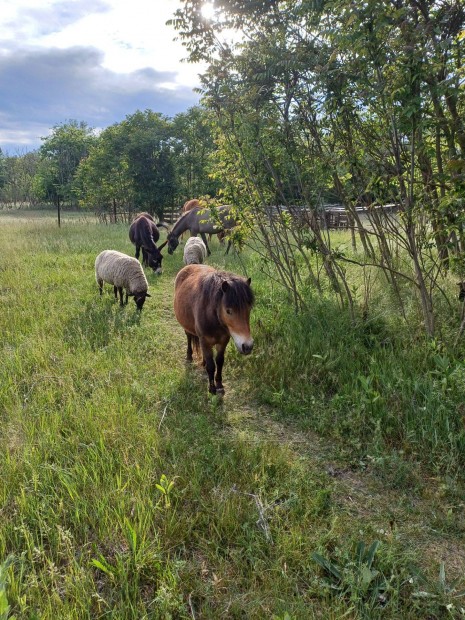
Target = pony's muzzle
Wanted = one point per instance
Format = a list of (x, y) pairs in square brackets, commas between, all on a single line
[(247, 347)]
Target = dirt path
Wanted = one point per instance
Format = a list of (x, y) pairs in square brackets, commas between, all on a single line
[(423, 515), (425, 518)]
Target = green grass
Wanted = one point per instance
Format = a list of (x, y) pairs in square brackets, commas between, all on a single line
[(127, 492)]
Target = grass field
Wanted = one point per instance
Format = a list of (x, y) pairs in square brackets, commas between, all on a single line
[(328, 483)]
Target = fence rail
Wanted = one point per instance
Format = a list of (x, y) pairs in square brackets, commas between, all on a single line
[(330, 216)]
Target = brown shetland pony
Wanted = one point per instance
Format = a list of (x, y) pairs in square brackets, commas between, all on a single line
[(190, 204), (212, 306), (187, 206)]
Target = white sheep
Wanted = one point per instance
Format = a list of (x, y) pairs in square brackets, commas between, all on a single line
[(195, 251), (122, 271)]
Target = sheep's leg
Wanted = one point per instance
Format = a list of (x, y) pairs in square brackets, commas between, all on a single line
[(207, 351), (127, 297), (100, 286), (115, 290), (120, 291), (229, 245), (204, 239)]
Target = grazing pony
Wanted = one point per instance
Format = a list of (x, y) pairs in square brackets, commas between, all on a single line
[(200, 221), (144, 234), (212, 306), (191, 204)]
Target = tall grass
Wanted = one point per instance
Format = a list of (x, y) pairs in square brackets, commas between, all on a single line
[(127, 492)]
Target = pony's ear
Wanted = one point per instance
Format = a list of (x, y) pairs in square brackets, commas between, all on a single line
[(160, 247), (148, 295), (224, 286), (249, 280)]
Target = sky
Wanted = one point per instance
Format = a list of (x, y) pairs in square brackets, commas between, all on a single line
[(96, 61)]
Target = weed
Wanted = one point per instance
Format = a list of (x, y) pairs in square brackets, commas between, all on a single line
[(355, 577), (439, 595), (4, 606)]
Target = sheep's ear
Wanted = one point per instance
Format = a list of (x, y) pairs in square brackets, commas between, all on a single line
[(148, 295), (249, 280), (224, 286)]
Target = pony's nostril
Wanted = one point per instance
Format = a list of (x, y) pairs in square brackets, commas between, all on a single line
[(246, 348)]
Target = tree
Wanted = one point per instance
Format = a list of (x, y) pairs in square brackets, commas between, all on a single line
[(149, 155), (364, 102), (61, 153), (102, 178), (17, 186), (193, 146)]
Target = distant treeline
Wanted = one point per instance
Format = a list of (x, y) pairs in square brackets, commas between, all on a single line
[(147, 162)]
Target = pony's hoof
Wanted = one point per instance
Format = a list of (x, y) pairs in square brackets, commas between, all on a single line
[(220, 391)]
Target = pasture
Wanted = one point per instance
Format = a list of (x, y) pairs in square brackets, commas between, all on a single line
[(327, 483)]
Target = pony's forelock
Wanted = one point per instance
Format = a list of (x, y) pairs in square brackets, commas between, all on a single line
[(237, 295)]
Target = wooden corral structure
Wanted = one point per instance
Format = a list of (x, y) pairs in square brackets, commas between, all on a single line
[(330, 216), (117, 216)]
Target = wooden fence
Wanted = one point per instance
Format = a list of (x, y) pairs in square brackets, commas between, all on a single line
[(118, 216), (331, 217)]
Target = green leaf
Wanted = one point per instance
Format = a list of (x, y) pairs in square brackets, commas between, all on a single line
[(328, 566)]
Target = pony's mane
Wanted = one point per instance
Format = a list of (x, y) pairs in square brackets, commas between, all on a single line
[(238, 295)]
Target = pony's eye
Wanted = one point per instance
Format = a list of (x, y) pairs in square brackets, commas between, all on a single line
[(229, 311)]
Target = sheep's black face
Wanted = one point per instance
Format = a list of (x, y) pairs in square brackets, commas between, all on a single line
[(140, 300), (173, 243)]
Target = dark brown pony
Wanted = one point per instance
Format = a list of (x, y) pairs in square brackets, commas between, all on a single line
[(213, 306), (144, 234)]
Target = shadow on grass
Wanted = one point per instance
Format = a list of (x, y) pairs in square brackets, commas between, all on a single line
[(99, 322)]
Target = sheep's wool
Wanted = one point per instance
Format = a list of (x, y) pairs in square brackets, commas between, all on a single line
[(195, 251), (121, 270)]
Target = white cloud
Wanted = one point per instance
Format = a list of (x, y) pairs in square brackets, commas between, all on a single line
[(92, 60)]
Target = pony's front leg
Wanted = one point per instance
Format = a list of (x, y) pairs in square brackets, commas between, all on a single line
[(137, 251), (220, 349), (204, 239), (207, 352)]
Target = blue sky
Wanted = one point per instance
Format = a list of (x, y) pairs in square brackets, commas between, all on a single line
[(87, 60)]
